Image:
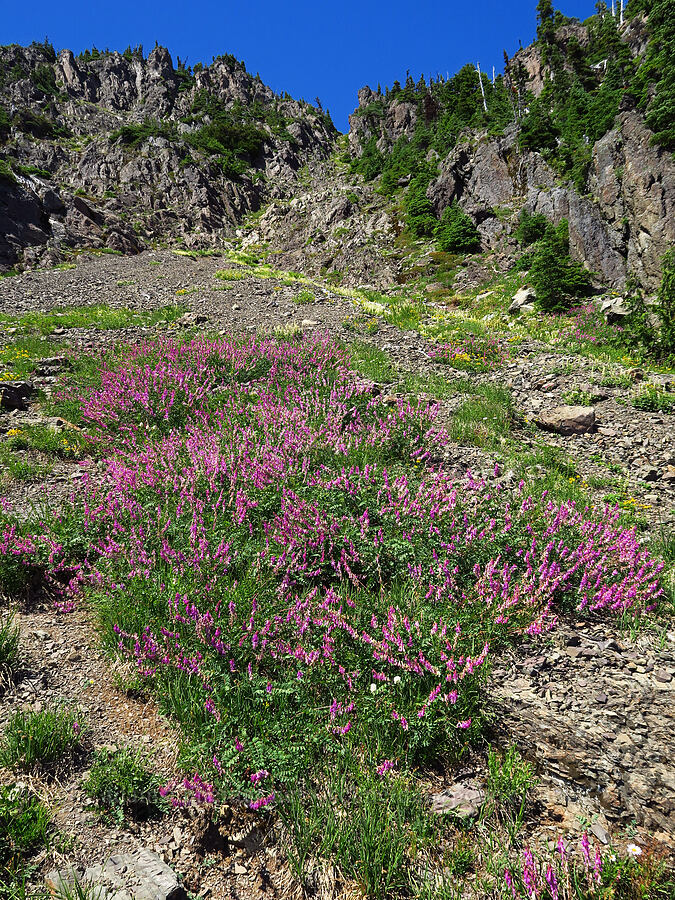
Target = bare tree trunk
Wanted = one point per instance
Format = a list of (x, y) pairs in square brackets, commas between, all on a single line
[(482, 89)]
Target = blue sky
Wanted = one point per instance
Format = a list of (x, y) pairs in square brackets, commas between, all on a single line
[(310, 49)]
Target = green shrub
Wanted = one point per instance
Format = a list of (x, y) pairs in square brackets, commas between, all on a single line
[(665, 305), (537, 130), (651, 398), (556, 278), (456, 232), (30, 122), (44, 79), (32, 170), (420, 217), (6, 172), (531, 227), (5, 124), (40, 739), (639, 331), (135, 135), (121, 785)]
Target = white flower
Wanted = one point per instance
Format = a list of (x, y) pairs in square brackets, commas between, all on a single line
[(373, 687), (633, 850), (397, 679)]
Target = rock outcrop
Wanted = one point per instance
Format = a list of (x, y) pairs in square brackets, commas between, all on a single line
[(74, 179)]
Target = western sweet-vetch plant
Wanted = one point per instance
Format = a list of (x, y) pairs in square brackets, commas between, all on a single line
[(275, 553)]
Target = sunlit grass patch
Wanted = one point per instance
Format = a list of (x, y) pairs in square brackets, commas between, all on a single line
[(98, 316), (371, 362), (231, 274), (484, 420), (65, 443)]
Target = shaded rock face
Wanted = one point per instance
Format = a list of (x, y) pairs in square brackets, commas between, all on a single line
[(160, 188), (633, 183), (399, 120), (627, 223)]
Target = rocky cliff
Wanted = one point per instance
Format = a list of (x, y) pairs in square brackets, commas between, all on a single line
[(115, 151), (562, 133)]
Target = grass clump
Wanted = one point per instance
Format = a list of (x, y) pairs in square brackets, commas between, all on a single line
[(231, 274), (24, 830), (64, 444), (41, 739), (485, 420), (509, 780), (18, 468), (9, 643), (371, 362), (122, 786), (304, 297), (371, 827)]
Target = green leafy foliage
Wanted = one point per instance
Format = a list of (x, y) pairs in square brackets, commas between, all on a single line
[(556, 278), (651, 398), (444, 109), (537, 129), (456, 232), (5, 124), (233, 136), (655, 340), (121, 785), (43, 738), (579, 103), (39, 126), (6, 172), (44, 79)]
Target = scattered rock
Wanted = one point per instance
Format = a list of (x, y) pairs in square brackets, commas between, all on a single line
[(614, 309), (523, 301), (16, 395)]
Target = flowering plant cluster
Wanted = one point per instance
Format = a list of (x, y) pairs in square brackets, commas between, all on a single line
[(265, 551), (585, 872), (472, 353)]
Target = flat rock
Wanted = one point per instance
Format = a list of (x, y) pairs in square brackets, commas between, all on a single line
[(138, 876), (568, 419), (463, 799)]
